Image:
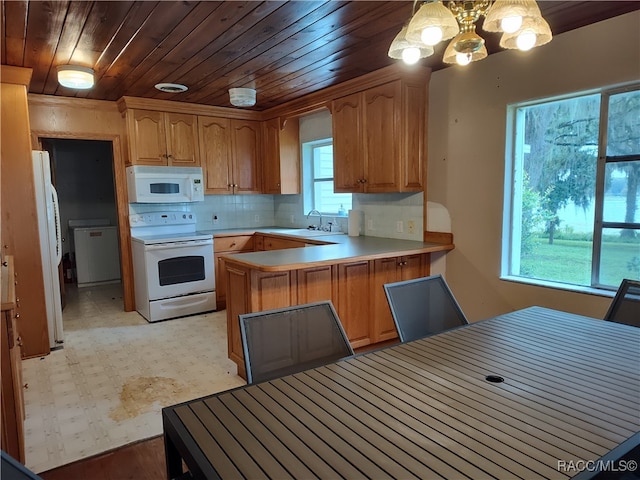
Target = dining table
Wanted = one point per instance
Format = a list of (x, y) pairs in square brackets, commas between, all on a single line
[(534, 393)]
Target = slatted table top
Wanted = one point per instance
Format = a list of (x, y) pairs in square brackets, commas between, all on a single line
[(424, 409)]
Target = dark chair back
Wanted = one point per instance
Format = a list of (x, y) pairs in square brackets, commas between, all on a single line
[(288, 340), (625, 307), (422, 307)]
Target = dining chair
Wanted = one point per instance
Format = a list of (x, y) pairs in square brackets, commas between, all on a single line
[(423, 306), (625, 307), (288, 340)]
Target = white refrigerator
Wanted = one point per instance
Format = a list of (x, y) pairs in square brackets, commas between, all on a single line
[(50, 244)]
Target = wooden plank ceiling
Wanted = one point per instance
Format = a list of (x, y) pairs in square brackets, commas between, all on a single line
[(283, 49)]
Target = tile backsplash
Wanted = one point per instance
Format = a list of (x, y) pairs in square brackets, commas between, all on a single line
[(391, 215)]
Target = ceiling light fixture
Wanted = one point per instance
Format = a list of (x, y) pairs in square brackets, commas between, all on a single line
[(74, 76), (520, 21), (242, 97)]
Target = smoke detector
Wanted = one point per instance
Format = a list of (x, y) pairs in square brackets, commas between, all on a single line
[(242, 97)]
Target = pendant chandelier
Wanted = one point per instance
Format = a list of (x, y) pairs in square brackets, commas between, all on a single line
[(520, 22)]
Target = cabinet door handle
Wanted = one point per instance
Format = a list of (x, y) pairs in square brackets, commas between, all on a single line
[(169, 156), (233, 244), (17, 315), (5, 263)]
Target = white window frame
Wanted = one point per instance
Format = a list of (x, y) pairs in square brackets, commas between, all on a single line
[(309, 180), (511, 225)]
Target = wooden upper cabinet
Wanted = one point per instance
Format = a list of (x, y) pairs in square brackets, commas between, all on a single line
[(281, 156), (229, 150), (348, 166), (215, 151), (379, 139), (182, 139), (162, 138), (246, 150), (147, 138), (381, 129)]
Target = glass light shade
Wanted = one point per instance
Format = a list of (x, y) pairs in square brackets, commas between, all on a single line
[(73, 76), (433, 14), (465, 48), (502, 15), (532, 33), (409, 52), (242, 97)]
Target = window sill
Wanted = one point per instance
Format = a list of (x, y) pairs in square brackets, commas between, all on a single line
[(560, 286)]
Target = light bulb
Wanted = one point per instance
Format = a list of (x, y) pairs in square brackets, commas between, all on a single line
[(410, 55), (511, 24), (463, 58), (526, 40), (431, 35)]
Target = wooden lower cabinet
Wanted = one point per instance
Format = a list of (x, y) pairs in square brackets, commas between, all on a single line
[(355, 289), (238, 282), (12, 398), (353, 305), (222, 246), (390, 270), (316, 284), (253, 291)]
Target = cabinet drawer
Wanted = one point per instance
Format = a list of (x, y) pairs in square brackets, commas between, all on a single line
[(233, 244), (272, 243)]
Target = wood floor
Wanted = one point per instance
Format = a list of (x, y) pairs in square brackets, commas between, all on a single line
[(142, 460)]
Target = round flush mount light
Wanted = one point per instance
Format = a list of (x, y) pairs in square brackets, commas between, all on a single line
[(242, 97), (171, 87), (74, 76)]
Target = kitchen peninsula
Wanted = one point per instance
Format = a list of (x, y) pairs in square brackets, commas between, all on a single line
[(349, 271)]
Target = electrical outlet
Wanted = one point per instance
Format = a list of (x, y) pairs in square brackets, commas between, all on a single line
[(370, 224), (292, 219), (256, 218), (411, 226), (399, 226)]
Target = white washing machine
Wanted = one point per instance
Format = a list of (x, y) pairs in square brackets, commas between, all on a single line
[(97, 254)]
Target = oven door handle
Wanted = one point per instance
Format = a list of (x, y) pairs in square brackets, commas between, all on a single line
[(186, 244)]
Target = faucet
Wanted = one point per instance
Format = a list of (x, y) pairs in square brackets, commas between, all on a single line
[(317, 213)]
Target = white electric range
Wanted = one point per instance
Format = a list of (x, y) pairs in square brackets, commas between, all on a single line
[(173, 265)]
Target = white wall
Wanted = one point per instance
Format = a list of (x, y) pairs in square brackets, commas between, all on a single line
[(466, 151)]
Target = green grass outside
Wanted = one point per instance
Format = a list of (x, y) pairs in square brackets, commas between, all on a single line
[(569, 261)]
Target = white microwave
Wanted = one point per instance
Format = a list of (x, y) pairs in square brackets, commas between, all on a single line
[(147, 184)]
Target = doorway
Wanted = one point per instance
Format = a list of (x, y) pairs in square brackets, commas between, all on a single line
[(82, 171)]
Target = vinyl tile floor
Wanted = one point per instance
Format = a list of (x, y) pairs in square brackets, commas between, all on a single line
[(107, 386)]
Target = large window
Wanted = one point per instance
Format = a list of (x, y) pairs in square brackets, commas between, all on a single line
[(573, 190), (318, 160)]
